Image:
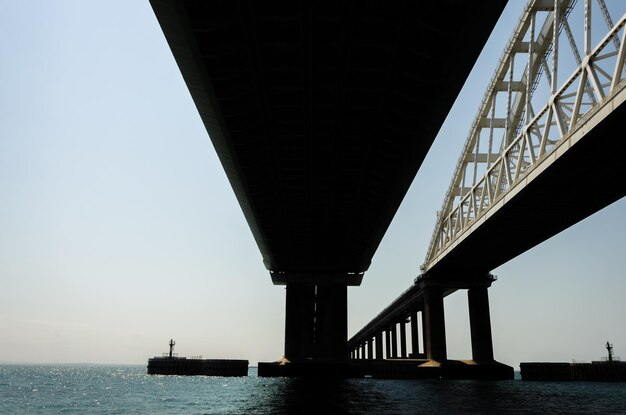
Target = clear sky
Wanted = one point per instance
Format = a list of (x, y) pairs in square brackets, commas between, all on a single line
[(119, 229)]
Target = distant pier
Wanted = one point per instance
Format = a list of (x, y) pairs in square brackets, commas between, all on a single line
[(171, 364), (610, 369)]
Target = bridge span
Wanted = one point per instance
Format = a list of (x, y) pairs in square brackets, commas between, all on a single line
[(544, 152), (321, 114)]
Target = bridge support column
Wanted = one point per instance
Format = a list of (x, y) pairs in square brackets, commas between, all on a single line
[(388, 343), (394, 341), (370, 349), (403, 339), (480, 324), (415, 338), (298, 320), (379, 346), (434, 324), (316, 322)]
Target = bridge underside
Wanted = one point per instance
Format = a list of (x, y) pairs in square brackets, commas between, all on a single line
[(322, 112)]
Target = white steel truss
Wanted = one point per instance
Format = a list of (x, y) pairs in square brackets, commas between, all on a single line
[(526, 113)]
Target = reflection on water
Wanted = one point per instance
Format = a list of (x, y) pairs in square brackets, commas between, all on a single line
[(368, 396)]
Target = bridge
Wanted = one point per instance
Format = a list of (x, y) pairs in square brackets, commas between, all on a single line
[(550, 159), (322, 113)]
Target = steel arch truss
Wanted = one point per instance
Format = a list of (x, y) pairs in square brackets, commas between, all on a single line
[(564, 60)]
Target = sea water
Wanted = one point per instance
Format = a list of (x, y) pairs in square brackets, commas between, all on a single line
[(95, 389)]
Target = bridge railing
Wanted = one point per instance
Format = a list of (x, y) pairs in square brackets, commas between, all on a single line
[(486, 171)]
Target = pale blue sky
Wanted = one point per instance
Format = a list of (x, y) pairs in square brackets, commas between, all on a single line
[(119, 230)]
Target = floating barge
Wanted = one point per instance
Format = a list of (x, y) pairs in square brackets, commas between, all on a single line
[(171, 364), (610, 369)]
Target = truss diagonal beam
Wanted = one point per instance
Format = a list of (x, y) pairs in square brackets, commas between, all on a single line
[(485, 171)]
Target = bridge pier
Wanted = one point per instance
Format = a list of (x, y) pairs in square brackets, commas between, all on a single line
[(316, 322), (394, 340), (379, 345), (434, 324), (316, 326), (480, 324), (426, 296), (403, 339), (415, 336), (388, 344), (316, 329)]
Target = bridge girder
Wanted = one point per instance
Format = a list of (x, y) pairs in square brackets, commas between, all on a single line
[(322, 112)]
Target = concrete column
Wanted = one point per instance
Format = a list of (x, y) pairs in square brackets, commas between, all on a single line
[(435, 326), (394, 341), (388, 343), (299, 314), (403, 339), (331, 326), (370, 349), (424, 333), (415, 340), (480, 324), (379, 346), (316, 322)]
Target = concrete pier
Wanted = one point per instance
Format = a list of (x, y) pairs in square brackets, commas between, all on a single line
[(316, 342), (403, 339), (480, 324), (415, 345), (424, 301), (434, 324), (379, 345), (394, 341), (316, 322), (388, 354)]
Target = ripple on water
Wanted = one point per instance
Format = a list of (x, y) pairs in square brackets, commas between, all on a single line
[(34, 389)]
